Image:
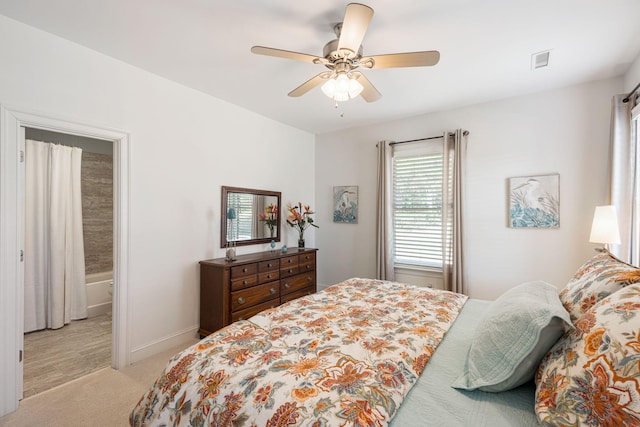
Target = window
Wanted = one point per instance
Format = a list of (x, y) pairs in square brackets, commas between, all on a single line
[(417, 204)]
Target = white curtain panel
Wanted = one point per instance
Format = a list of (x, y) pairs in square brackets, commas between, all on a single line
[(455, 153), (625, 176), (384, 225), (55, 291), (36, 260)]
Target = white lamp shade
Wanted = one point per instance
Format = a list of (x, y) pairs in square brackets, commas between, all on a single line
[(329, 88), (342, 87), (604, 228), (342, 83), (355, 87)]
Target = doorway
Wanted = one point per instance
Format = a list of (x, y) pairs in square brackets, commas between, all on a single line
[(59, 348), (13, 121)]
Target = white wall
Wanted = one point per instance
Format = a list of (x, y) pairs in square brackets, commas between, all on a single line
[(632, 76), (184, 146), (564, 131)]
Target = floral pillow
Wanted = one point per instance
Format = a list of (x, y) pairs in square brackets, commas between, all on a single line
[(598, 278), (591, 376)]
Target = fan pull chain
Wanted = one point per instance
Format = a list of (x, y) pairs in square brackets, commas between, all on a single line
[(336, 106)]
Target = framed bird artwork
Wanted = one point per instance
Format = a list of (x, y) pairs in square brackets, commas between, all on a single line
[(345, 204), (534, 201)]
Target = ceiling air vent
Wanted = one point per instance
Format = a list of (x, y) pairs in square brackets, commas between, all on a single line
[(540, 60)]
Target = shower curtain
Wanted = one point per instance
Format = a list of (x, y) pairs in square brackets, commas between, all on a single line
[(54, 276)]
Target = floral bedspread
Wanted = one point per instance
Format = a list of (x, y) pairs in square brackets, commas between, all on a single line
[(345, 356)]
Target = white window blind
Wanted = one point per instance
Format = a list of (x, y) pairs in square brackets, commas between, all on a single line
[(417, 208)]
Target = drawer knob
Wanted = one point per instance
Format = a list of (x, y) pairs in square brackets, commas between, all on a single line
[(268, 276), (287, 286), (241, 300), (244, 282), (308, 267), (272, 290), (290, 271), (244, 270), (269, 265), (310, 279)]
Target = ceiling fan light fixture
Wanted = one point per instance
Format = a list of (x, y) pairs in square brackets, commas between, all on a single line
[(354, 87), (344, 55), (329, 88), (342, 87)]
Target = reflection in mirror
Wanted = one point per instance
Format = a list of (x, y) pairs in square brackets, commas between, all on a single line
[(249, 216)]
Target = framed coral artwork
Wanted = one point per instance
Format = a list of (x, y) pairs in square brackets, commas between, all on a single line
[(345, 204), (534, 201)]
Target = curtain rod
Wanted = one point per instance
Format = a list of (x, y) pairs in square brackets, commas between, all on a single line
[(465, 133), (628, 97), (416, 140)]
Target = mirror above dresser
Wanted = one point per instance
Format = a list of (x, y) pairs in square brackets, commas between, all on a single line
[(249, 216)]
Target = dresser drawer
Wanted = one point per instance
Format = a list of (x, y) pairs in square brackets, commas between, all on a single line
[(289, 271), (305, 268), (244, 282), (251, 311), (244, 270), (268, 276), (296, 283), (290, 261), (246, 298), (297, 294), (269, 266), (307, 258)]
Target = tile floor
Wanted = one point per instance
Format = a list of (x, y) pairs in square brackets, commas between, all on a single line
[(54, 357)]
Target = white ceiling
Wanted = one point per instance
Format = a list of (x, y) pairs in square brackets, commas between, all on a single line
[(485, 48)]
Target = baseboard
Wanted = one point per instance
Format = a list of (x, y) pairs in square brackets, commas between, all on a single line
[(158, 346), (321, 287), (98, 309)]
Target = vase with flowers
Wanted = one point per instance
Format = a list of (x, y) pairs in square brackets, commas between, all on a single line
[(270, 218), (300, 219)]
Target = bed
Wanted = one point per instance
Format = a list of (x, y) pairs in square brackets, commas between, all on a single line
[(375, 353)]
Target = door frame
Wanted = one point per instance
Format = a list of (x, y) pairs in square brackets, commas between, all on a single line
[(12, 199)]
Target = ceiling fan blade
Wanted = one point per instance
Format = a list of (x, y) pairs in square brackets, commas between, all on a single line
[(398, 60), (310, 84), (354, 26), (369, 93), (279, 53)]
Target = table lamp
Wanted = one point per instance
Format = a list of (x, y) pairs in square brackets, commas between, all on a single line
[(604, 228)]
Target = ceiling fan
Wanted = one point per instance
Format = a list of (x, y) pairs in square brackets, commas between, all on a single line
[(343, 56)]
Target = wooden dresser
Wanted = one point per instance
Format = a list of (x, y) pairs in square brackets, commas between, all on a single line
[(236, 290)]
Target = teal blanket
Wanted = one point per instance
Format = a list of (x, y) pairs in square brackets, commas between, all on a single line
[(433, 402)]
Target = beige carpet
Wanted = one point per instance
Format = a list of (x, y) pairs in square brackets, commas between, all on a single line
[(103, 398)]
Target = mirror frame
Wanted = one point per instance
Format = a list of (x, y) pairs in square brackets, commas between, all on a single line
[(223, 217)]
